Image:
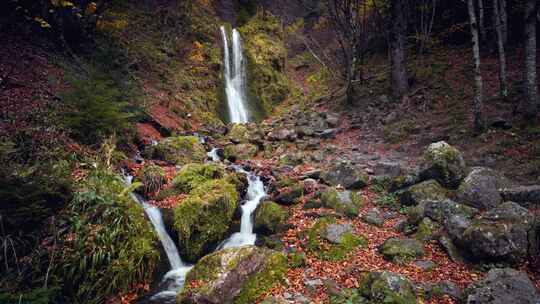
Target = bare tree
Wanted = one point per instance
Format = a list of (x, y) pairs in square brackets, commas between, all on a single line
[(531, 87), (400, 81), (504, 21), (481, 19), (503, 83), (478, 85), (346, 16)]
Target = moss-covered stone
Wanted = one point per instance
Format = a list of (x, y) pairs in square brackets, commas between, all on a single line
[(240, 151), (236, 275), (386, 287), (444, 163), (427, 190), (289, 192), (204, 217), (194, 174), (238, 134), (426, 230), (179, 150), (269, 217), (401, 251), (344, 202), (322, 249)]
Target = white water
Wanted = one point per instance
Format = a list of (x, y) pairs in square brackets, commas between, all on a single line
[(213, 154), (255, 194), (174, 279), (235, 77)]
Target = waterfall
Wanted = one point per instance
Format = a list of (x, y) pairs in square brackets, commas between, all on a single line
[(255, 194), (235, 77), (174, 279)]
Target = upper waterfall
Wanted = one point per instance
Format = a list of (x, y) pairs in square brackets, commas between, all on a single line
[(235, 77)]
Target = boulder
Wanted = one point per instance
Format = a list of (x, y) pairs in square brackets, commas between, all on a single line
[(438, 211), (269, 218), (427, 190), (192, 175), (346, 175), (374, 217), (387, 287), (179, 150), (290, 194), (234, 275), (444, 163), (387, 169), (344, 202), (443, 288), (404, 181), (204, 217), (480, 188), (500, 234), (426, 230), (334, 232), (401, 250), (241, 151), (502, 286), (523, 195), (238, 134)]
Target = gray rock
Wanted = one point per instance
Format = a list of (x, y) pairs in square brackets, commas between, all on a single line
[(332, 119), (387, 169), (451, 249), (523, 195), (346, 175), (401, 250), (503, 286), (442, 288), (327, 133), (480, 188), (335, 232), (427, 190), (392, 287), (443, 163), (374, 217), (425, 265)]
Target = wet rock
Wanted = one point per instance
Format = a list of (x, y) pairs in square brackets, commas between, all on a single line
[(500, 234), (480, 188), (235, 275), (387, 169), (327, 133), (335, 232), (443, 163), (242, 151), (374, 217), (401, 250), (269, 218), (179, 150), (346, 175), (344, 202), (427, 190), (523, 195), (502, 286), (387, 287)]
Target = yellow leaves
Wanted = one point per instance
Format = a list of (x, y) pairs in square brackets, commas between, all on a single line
[(42, 22), (62, 3), (197, 52)]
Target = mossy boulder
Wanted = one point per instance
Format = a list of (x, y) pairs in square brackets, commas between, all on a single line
[(235, 275), (269, 218), (387, 287), (194, 174), (204, 217), (426, 230), (344, 202), (500, 234), (427, 190), (179, 150), (480, 189), (439, 211), (444, 163), (317, 245), (289, 193), (242, 151), (238, 134), (345, 174), (401, 250)]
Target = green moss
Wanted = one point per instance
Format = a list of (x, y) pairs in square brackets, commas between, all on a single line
[(266, 54), (326, 250), (425, 230), (401, 251), (386, 287), (192, 175), (240, 151), (444, 163), (238, 134), (269, 216), (205, 216), (179, 150), (427, 190)]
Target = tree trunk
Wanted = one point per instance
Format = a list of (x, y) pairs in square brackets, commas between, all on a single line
[(478, 86), (531, 86), (481, 20), (400, 85), (500, 46), (504, 21)]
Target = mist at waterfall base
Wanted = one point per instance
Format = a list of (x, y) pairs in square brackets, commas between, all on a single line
[(235, 77)]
